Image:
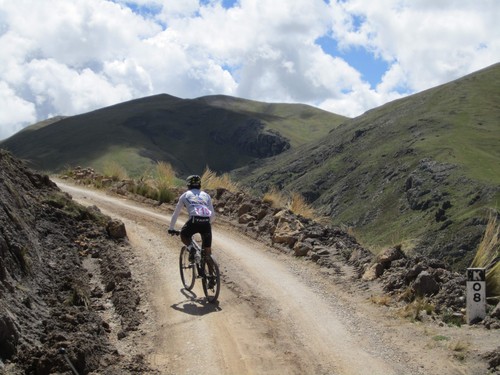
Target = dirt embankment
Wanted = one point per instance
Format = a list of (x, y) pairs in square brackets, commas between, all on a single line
[(48, 301)]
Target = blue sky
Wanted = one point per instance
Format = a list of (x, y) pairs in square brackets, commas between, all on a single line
[(371, 68), (61, 57)]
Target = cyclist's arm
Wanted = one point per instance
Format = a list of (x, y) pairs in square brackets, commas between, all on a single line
[(211, 208), (176, 213)]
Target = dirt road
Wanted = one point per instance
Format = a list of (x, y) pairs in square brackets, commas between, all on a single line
[(276, 315)]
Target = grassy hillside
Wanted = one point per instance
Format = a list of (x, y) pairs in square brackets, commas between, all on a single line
[(286, 119), (219, 131), (422, 171)]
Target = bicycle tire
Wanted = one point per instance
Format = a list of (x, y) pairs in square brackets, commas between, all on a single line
[(187, 269), (211, 291)]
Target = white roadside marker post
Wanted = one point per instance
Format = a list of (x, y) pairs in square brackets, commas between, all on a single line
[(476, 294)]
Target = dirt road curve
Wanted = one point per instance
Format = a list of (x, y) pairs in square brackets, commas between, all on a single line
[(277, 314)]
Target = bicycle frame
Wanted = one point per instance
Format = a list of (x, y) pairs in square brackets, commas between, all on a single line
[(205, 268)]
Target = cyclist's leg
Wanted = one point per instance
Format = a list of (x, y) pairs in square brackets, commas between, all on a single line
[(206, 241), (206, 237), (211, 281), (187, 232)]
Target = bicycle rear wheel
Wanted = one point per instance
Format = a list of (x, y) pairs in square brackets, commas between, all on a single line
[(211, 279), (188, 273)]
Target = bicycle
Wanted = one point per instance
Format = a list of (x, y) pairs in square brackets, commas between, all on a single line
[(204, 267)]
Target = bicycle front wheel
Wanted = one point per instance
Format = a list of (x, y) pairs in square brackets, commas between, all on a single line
[(211, 279), (188, 273)]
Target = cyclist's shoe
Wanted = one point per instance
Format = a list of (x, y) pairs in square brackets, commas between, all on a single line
[(192, 251), (211, 283), (201, 272)]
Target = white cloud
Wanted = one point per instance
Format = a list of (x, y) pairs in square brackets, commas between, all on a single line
[(67, 57), (178, 8), (61, 90), (15, 112), (431, 42)]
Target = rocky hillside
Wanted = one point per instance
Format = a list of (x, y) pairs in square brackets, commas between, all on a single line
[(405, 278), (422, 172), (49, 301)]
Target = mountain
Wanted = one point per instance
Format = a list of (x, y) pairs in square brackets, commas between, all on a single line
[(422, 172), (221, 132)]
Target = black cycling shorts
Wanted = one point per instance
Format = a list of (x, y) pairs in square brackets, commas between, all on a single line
[(199, 225)]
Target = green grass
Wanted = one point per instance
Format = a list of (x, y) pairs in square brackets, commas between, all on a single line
[(128, 159), (188, 133), (298, 122), (357, 173)]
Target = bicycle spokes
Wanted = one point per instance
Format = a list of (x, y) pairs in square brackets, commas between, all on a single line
[(211, 280), (206, 269), (186, 269)]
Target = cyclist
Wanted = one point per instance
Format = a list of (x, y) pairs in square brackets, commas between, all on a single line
[(201, 214)]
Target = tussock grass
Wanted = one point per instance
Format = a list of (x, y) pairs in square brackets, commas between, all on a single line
[(114, 171), (158, 184), (164, 182), (144, 188), (459, 348), (382, 300), (210, 180), (165, 174), (452, 319), (294, 201), (488, 255), (275, 198), (413, 310), (298, 205)]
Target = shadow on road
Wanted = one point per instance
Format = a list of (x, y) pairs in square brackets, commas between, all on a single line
[(195, 305)]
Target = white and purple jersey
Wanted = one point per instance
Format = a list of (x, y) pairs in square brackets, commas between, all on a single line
[(198, 204)]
